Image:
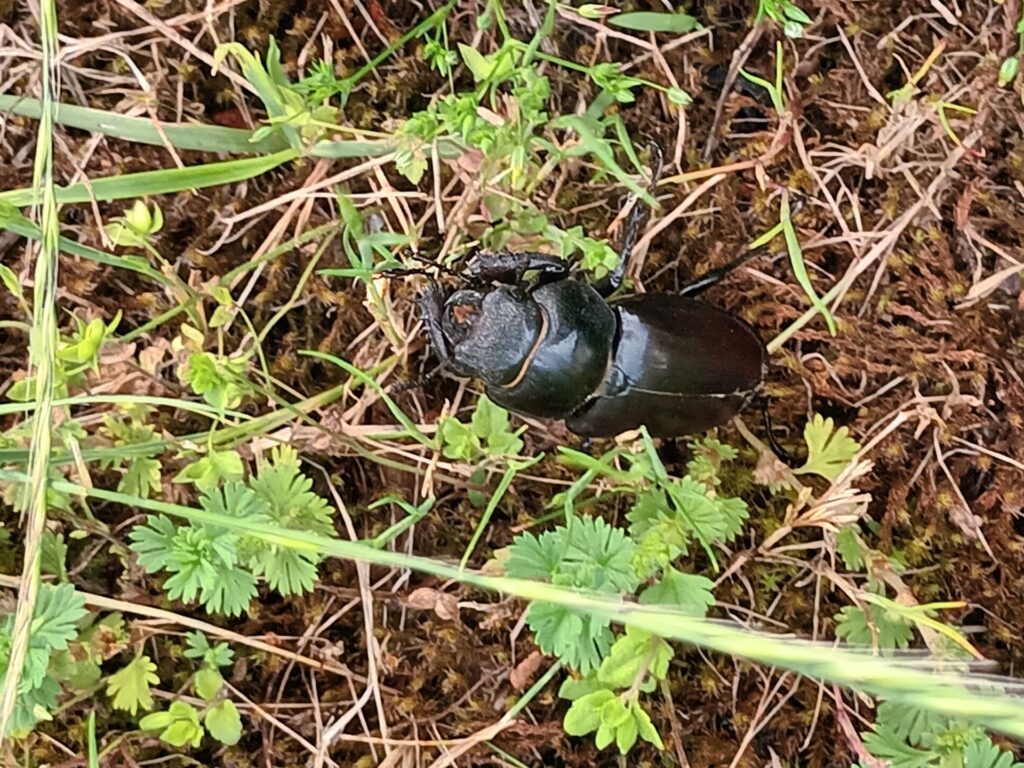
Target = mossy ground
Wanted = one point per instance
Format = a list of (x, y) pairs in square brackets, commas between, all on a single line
[(913, 337)]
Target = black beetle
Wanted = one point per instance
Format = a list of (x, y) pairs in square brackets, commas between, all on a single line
[(555, 347)]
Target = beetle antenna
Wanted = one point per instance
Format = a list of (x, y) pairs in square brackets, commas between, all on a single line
[(429, 266), (419, 382)]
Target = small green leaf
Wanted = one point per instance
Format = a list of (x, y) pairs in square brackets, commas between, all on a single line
[(213, 469), (796, 13), (576, 688), (793, 30), (873, 625), (208, 683), (584, 715), (482, 67), (458, 441), (596, 10), (1008, 71), (626, 734), (645, 727), (605, 735), (614, 712), (180, 725), (10, 281), (646, 21), (224, 723), (142, 478), (679, 97)]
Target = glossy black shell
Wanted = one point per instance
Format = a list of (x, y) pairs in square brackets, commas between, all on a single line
[(568, 359), (679, 367)]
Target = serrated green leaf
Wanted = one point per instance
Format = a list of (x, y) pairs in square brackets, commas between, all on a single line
[(224, 723), (580, 641), (53, 554), (142, 477), (603, 550), (854, 624), (129, 687), (153, 541), (57, 611), (850, 547), (536, 557), (909, 723), (691, 593), (634, 654), (829, 450), (883, 742), (230, 593), (982, 753)]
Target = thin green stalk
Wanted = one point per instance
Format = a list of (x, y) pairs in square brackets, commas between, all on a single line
[(513, 469), (12, 219), (43, 357), (437, 17)]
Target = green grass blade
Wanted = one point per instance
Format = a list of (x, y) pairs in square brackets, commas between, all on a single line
[(42, 355), (160, 182), (796, 259), (649, 21), (413, 431), (142, 130)]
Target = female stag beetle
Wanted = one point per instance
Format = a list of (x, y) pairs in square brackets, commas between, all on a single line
[(556, 347)]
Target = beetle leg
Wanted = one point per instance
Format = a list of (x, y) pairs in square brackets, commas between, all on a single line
[(613, 281), (714, 276), (784, 456), (431, 306)]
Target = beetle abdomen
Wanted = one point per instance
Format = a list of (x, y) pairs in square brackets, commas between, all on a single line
[(571, 356), (680, 366)]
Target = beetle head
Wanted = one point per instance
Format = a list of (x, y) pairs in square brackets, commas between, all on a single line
[(491, 332)]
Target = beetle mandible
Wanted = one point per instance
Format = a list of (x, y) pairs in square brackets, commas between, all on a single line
[(557, 347)]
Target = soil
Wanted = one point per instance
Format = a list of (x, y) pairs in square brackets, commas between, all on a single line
[(920, 332)]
